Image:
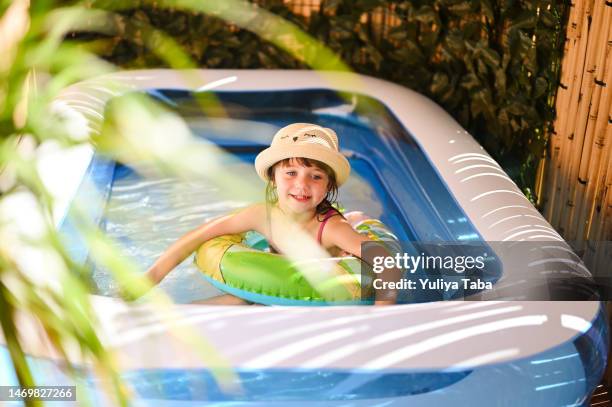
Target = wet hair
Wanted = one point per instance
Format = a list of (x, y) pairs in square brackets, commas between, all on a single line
[(332, 187)]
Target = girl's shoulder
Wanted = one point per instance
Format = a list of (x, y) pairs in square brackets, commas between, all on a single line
[(332, 223), (339, 232), (331, 216), (335, 219)]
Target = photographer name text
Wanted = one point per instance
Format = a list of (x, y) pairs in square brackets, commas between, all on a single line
[(432, 284)]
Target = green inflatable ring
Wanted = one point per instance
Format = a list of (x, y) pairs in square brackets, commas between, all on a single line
[(238, 265)]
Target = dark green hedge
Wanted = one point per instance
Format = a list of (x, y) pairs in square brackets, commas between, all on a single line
[(494, 65)]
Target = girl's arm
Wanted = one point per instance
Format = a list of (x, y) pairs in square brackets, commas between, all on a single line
[(239, 222), (338, 232), (341, 234)]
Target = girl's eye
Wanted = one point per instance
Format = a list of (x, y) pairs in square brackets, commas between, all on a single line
[(291, 173), (317, 177)]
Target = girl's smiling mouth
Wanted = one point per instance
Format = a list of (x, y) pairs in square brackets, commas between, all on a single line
[(300, 198)]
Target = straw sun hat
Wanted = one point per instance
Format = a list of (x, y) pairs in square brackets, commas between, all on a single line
[(308, 141)]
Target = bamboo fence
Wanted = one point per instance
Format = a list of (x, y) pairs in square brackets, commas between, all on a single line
[(577, 192)]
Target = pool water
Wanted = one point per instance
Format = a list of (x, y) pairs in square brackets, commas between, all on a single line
[(391, 180), (145, 215)]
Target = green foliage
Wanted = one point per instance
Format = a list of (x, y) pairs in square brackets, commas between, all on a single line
[(493, 65), (58, 303), (39, 279)]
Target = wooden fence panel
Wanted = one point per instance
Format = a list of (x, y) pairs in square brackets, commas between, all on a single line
[(576, 191)]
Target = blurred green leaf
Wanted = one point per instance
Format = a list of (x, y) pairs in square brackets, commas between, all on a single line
[(455, 45), (426, 14), (470, 81), (525, 20), (489, 57), (439, 83), (547, 18), (460, 8), (541, 86), (398, 33), (500, 82)]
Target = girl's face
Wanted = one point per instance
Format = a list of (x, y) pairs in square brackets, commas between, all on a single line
[(300, 189)]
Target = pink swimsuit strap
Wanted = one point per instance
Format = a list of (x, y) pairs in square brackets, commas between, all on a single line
[(326, 217)]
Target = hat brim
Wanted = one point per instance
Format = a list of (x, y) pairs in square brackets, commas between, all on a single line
[(334, 159)]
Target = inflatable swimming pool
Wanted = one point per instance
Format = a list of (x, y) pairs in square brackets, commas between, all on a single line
[(427, 179)]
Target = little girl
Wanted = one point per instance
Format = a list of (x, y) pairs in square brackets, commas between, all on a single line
[(303, 170)]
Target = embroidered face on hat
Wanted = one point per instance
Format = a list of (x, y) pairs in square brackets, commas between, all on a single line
[(311, 134)]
